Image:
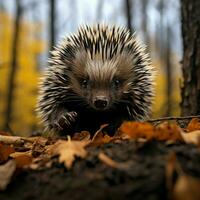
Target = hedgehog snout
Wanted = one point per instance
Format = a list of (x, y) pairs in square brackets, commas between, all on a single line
[(100, 102)]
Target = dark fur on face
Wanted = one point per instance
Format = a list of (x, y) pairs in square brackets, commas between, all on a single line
[(100, 75)]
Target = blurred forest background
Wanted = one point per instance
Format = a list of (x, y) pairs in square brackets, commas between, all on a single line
[(29, 29)]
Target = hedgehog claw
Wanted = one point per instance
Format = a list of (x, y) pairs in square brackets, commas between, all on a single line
[(72, 115), (58, 126)]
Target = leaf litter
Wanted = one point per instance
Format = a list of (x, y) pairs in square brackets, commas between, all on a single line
[(39, 152)]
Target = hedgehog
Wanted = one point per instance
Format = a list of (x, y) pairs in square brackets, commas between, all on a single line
[(101, 74)]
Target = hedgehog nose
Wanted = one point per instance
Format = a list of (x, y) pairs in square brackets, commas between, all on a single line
[(100, 102)]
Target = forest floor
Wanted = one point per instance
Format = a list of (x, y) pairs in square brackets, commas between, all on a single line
[(119, 169)]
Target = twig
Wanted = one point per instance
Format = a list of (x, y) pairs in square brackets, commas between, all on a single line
[(173, 118), (16, 139), (107, 160)]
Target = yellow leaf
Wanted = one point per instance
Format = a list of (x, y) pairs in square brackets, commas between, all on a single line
[(67, 150), (191, 137)]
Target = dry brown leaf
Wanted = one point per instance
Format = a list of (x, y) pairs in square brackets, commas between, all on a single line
[(192, 137), (6, 172), (100, 138), (136, 130), (41, 162), (5, 151), (83, 135), (194, 125), (23, 161), (42, 141), (68, 150), (168, 131), (22, 158), (187, 188), (108, 161)]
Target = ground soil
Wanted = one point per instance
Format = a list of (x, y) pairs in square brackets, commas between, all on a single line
[(90, 178)]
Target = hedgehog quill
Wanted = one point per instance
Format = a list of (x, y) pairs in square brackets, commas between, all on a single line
[(99, 75)]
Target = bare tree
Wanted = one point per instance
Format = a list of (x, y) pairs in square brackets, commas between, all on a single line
[(191, 57), (161, 39), (2, 8), (145, 21), (14, 65), (128, 6), (169, 72), (52, 29)]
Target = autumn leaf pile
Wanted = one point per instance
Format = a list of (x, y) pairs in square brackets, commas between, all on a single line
[(21, 153)]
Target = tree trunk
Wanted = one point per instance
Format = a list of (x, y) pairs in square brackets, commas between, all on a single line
[(14, 65), (128, 14), (145, 22), (190, 11), (169, 72), (52, 24)]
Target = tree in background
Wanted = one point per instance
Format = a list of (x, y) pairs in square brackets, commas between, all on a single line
[(14, 65), (52, 31), (26, 76), (128, 6), (190, 12)]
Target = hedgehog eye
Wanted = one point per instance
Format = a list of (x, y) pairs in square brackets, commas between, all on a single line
[(116, 82), (84, 83)]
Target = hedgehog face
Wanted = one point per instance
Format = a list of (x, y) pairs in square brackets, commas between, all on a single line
[(101, 83)]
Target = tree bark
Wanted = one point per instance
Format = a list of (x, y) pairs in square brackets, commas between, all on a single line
[(144, 23), (169, 72), (14, 65), (190, 11), (52, 24), (128, 14)]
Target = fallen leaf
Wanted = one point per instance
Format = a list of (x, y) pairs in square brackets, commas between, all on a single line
[(22, 158), (168, 131), (193, 125), (83, 135), (108, 161), (5, 151), (192, 137), (187, 188), (6, 172), (68, 150), (100, 138), (41, 162), (136, 130)]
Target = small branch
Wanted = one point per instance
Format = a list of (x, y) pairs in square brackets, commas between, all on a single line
[(16, 139), (173, 118)]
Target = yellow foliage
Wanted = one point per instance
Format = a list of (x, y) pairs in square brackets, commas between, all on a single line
[(30, 46), (159, 106)]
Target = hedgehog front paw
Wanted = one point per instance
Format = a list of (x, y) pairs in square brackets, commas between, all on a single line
[(65, 120)]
